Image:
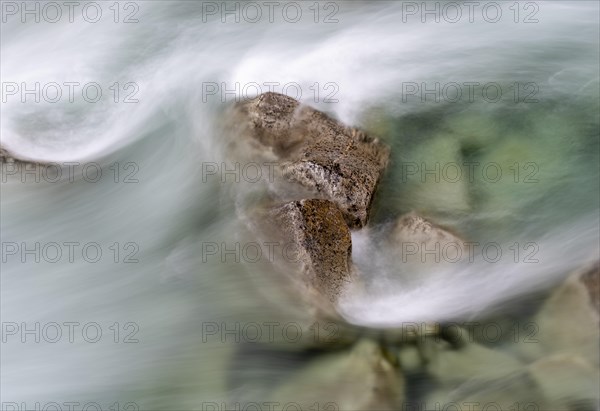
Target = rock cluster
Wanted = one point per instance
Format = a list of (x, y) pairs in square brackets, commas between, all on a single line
[(335, 162), (327, 175)]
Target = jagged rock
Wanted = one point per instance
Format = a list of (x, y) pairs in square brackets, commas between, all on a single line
[(317, 240), (333, 161), (420, 241)]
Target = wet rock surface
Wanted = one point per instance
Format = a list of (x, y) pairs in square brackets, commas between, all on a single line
[(325, 177), (317, 241), (333, 161)]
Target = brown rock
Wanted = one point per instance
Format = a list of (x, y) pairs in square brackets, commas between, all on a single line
[(276, 121), (316, 238), (335, 162)]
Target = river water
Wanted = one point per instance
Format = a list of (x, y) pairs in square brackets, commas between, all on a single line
[(510, 88)]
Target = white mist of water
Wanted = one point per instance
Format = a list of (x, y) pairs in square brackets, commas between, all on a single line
[(369, 54), (468, 289), (170, 54)]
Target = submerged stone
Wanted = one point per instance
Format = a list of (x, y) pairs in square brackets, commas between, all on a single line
[(454, 366), (434, 174), (567, 380), (556, 382), (333, 161), (567, 322), (421, 241), (590, 278), (359, 379)]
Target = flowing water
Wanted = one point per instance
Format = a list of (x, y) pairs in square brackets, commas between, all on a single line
[(370, 64)]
